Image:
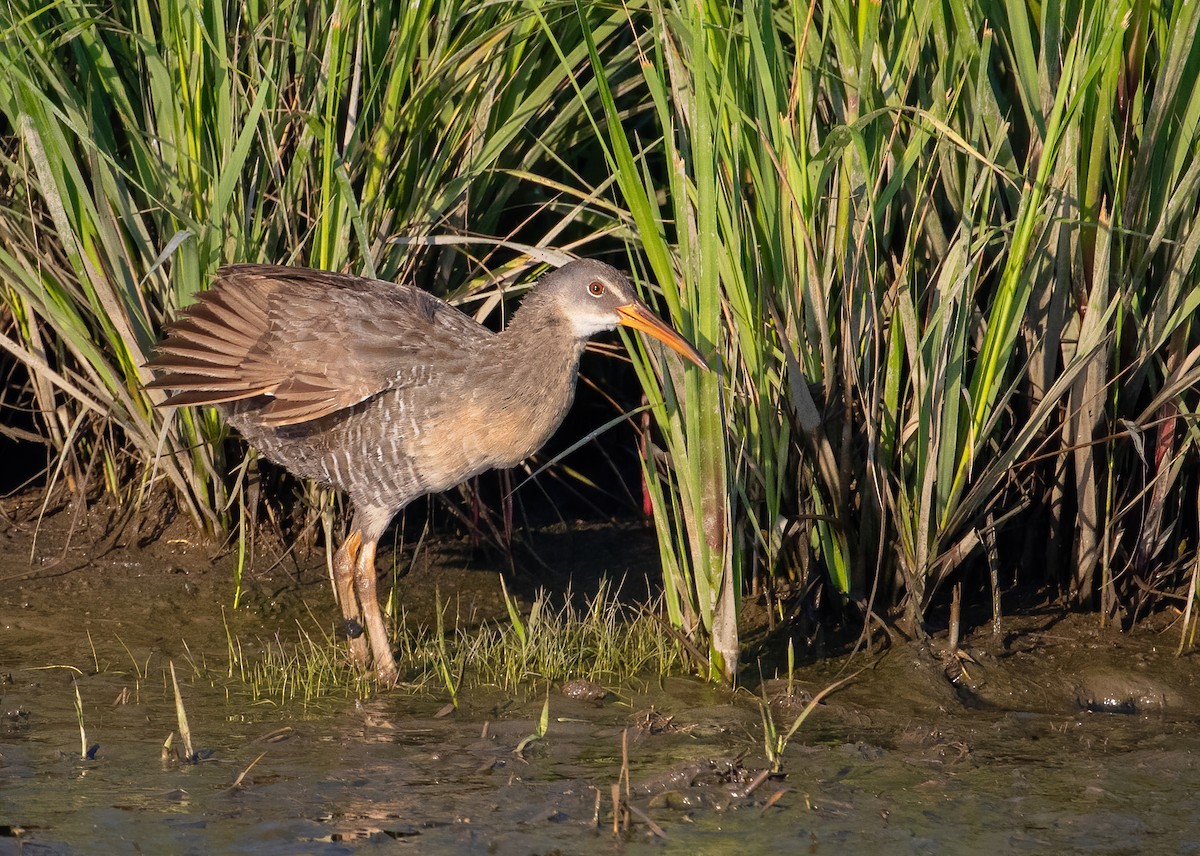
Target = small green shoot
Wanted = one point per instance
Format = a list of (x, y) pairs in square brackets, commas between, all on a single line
[(242, 537), (514, 616), (791, 666), (233, 650), (543, 726), (451, 679), (776, 741)]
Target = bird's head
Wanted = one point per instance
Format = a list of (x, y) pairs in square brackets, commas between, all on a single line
[(594, 297)]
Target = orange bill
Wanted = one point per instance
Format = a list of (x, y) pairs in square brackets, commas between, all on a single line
[(639, 317)]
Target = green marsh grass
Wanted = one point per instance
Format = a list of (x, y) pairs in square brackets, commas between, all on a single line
[(944, 257), (933, 252), (302, 669), (603, 640)]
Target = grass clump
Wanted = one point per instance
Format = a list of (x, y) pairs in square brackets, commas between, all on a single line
[(311, 666), (602, 640)]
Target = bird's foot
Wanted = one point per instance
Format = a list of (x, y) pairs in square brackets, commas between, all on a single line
[(387, 673)]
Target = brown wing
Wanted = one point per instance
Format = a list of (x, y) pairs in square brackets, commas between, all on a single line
[(315, 342)]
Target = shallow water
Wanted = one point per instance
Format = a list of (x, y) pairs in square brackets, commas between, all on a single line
[(898, 762), (387, 772)]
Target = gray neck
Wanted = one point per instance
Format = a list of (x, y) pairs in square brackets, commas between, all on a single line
[(542, 335), (531, 369)]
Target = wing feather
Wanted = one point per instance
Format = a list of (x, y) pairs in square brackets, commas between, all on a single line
[(312, 342)]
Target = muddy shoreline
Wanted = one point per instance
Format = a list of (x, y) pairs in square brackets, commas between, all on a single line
[(1062, 737)]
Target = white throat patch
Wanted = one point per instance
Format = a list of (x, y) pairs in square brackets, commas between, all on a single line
[(586, 326)]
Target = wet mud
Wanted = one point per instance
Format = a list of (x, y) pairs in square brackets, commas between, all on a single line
[(1058, 737)]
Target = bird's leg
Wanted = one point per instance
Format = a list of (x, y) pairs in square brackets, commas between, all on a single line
[(364, 585), (344, 561)]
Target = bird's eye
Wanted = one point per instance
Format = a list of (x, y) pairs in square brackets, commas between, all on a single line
[(596, 289)]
